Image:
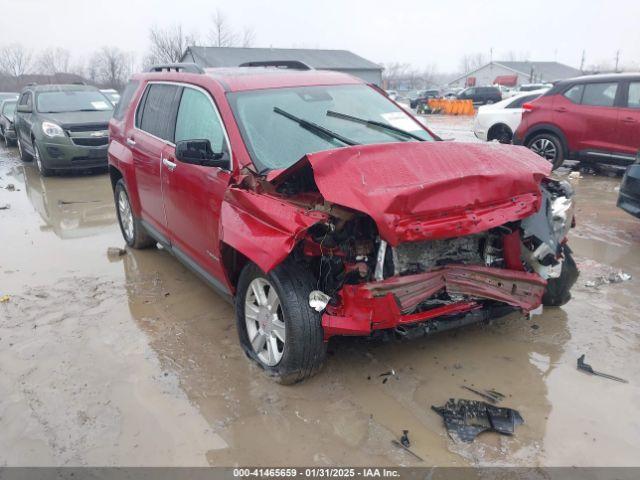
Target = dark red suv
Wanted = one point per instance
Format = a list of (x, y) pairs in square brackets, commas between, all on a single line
[(593, 118), (322, 208)]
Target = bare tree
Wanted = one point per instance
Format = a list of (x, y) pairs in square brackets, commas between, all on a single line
[(110, 67), (473, 61), (222, 35), (168, 44), (15, 60), (248, 37), (53, 60)]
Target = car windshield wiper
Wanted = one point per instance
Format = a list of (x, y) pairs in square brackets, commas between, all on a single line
[(374, 124), (314, 128)]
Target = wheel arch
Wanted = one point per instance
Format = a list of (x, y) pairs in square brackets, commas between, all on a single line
[(495, 127), (548, 128)]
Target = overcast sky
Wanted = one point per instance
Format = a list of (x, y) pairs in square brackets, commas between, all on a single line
[(419, 32)]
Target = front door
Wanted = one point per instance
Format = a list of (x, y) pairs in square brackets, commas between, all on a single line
[(193, 193), (148, 140)]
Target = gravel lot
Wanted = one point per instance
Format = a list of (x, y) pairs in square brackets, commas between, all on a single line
[(134, 361)]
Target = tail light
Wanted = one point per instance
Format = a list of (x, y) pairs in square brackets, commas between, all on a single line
[(527, 107)]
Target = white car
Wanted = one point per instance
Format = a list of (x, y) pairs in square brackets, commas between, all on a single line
[(499, 120)]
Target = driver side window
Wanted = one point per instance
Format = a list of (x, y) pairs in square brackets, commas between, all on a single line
[(199, 120)]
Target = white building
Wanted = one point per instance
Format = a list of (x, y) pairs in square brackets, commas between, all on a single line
[(519, 73)]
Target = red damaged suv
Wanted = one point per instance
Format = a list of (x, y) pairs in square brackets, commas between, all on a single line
[(322, 208)]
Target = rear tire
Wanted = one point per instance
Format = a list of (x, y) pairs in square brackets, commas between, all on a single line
[(549, 147), (303, 351), (501, 133), (558, 291), (132, 229)]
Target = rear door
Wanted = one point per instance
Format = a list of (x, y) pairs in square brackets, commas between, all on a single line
[(193, 193), (599, 117), (629, 120), (24, 120), (150, 137)]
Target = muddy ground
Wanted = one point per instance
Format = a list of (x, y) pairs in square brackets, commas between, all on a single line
[(134, 361)]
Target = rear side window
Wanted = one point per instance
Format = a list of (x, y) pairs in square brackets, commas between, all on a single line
[(575, 93), (125, 99), (25, 99), (517, 103), (157, 115), (600, 94), (199, 120), (634, 95)]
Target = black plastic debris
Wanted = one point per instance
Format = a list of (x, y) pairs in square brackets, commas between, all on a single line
[(490, 395), (404, 439), (466, 419), (585, 367)]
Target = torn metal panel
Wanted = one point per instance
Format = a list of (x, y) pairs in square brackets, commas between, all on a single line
[(517, 288), (263, 228), (428, 190)]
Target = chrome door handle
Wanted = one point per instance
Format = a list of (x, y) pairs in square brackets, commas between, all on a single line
[(169, 164), (131, 141)]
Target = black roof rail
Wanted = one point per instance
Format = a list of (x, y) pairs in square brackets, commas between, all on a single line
[(176, 67), (289, 64)]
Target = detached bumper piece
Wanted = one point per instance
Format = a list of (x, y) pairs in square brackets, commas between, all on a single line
[(396, 301), (466, 419)]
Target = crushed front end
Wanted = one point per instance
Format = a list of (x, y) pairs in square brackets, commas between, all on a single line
[(436, 246)]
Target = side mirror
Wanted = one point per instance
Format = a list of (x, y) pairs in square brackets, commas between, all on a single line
[(199, 152), (24, 109)]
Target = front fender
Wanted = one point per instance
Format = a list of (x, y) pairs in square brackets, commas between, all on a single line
[(263, 228)]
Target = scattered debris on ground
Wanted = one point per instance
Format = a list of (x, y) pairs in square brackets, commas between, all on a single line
[(386, 375), (6, 206), (490, 395), (406, 449), (11, 187), (466, 419), (404, 439), (585, 367), (575, 174), (71, 202), (614, 277), (114, 253), (4, 298)]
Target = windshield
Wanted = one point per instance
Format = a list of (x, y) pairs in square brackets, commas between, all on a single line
[(276, 141), (8, 108), (72, 101)]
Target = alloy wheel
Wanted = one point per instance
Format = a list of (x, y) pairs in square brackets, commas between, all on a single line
[(125, 215), (545, 148), (264, 321)]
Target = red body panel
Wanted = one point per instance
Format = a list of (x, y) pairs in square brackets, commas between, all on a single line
[(263, 228), (430, 190)]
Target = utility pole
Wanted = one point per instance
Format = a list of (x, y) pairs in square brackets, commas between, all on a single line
[(582, 61), (617, 60), (491, 55)]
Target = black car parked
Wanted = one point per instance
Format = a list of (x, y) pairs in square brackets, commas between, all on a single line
[(7, 112), (629, 196), (423, 97), (481, 95)]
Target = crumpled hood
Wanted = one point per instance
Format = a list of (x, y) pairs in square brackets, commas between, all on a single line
[(429, 190)]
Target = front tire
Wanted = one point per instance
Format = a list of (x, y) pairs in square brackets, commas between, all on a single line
[(24, 156), (277, 327), (44, 171), (558, 291), (549, 147), (132, 229)]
